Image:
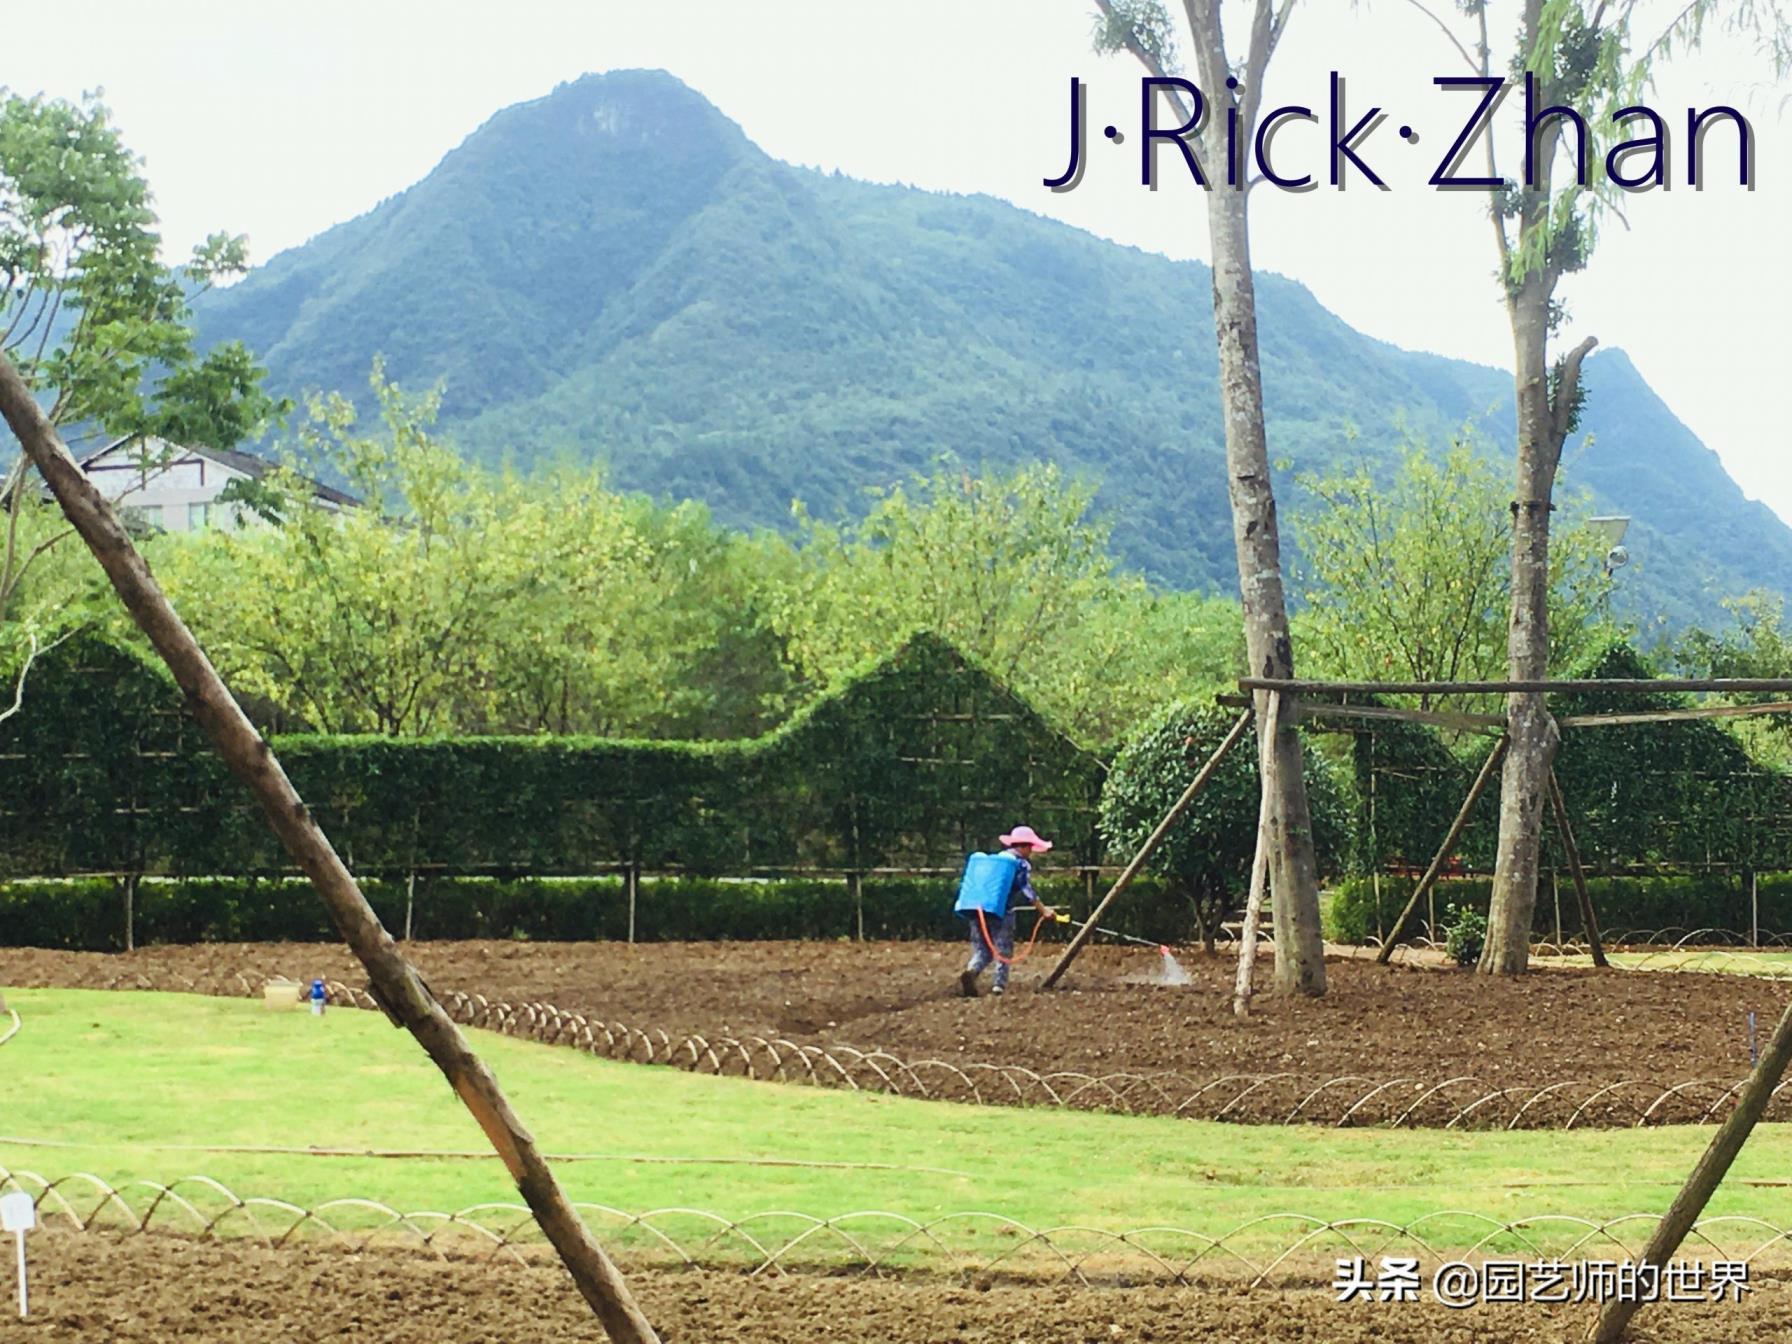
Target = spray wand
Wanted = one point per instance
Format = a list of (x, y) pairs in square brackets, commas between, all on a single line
[(1114, 933)]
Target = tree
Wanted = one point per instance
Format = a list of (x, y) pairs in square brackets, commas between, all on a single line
[(1143, 28), (1755, 644), (1593, 57), (98, 328), (1411, 580), (1011, 569), (1206, 857)]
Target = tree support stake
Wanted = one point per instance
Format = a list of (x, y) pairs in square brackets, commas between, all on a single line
[(1589, 922), (1443, 851), (1152, 841), (252, 761)]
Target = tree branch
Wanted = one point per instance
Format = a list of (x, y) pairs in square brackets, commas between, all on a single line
[(18, 690), (1562, 411)]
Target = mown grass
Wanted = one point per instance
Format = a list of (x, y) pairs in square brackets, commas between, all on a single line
[(136, 1086), (1737, 961)]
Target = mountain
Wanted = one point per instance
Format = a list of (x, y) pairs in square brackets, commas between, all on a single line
[(616, 271)]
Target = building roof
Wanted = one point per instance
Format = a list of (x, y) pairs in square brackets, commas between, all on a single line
[(256, 468)]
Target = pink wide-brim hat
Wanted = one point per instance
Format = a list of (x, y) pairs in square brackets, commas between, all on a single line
[(1026, 835)]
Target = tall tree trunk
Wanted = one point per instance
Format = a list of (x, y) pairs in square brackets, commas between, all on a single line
[(1524, 780), (1300, 949), (1543, 422), (253, 762)]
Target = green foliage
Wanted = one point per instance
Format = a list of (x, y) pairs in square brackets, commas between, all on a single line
[(88, 312), (717, 326), (1678, 902), (1410, 580), (1601, 59), (1466, 936), (1755, 644), (87, 914), (1205, 859), (459, 600), (917, 760), (1010, 568), (100, 329)]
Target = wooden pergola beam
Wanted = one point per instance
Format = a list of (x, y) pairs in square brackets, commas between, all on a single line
[(1152, 841), (1674, 715), (1640, 686)]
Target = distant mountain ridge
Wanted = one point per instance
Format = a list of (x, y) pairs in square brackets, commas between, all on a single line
[(615, 270)]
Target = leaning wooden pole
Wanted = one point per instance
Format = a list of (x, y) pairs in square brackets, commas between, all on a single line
[(1709, 1172), (1253, 906), (1588, 920), (245, 751), (1443, 851), (1152, 841)]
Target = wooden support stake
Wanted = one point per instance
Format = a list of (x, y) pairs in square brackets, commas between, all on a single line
[(253, 762), (1589, 922), (1697, 1191), (1152, 841), (1442, 857), (130, 912), (1253, 906)]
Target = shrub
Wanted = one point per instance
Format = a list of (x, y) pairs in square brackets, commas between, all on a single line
[(87, 914), (1466, 937)]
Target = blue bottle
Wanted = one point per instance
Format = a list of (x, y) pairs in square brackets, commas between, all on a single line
[(317, 998)]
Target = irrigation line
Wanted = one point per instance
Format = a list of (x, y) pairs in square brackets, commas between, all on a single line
[(1270, 1249), (7, 1140)]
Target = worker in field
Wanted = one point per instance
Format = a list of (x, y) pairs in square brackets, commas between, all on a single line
[(989, 897)]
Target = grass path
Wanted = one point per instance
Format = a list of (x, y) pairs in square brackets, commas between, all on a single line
[(128, 1081)]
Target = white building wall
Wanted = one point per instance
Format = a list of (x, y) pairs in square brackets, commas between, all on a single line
[(167, 487)]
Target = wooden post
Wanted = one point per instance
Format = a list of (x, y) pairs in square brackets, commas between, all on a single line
[(856, 885), (631, 882), (253, 762), (1697, 1191), (1145, 850), (410, 901), (1754, 909), (1589, 922), (1253, 906), (130, 912), (1442, 857), (1555, 894)]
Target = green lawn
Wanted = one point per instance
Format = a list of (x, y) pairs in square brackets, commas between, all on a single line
[(1738, 961), (136, 1083)]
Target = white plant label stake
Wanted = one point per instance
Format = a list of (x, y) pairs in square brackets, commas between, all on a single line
[(18, 1215)]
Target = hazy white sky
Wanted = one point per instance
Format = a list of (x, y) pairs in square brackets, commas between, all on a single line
[(278, 121)]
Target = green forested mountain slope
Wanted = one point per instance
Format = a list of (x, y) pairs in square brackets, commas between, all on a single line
[(614, 270)]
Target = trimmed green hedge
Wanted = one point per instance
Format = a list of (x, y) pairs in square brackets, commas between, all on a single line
[(1700, 901), (87, 914), (913, 763)]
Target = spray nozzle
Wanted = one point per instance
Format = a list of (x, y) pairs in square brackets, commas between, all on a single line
[(1162, 951)]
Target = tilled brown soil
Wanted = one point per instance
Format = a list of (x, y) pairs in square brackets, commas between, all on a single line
[(150, 1289), (1586, 1030)]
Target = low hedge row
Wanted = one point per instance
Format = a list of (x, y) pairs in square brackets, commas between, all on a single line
[(1697, 901), (87, 914)]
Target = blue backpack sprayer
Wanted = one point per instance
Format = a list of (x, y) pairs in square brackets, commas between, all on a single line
[(984, 890)]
